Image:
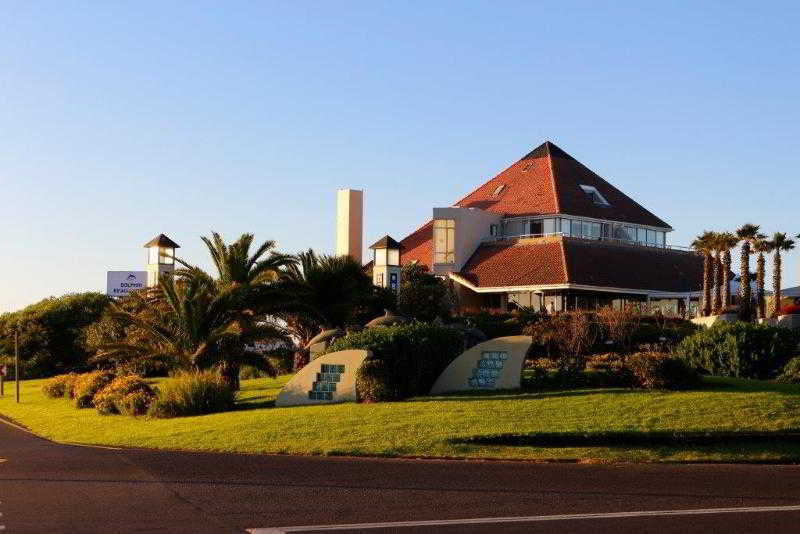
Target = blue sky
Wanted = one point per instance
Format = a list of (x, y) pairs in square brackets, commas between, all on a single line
[(121, 120)]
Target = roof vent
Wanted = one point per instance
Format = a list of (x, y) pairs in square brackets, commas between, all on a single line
[(595, 195), (497, 190)]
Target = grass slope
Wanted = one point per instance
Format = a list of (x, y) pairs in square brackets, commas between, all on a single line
[(576, 424)]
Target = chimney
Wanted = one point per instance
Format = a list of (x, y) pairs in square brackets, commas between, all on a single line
[(349, 223)]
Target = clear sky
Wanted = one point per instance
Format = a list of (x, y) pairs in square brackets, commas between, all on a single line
[(122, 120)]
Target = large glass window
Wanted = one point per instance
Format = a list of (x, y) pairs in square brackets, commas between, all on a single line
[(651, 237), (641, 236), (536, 227), (565, 226), (380, 256), (444, 234), (596, 229), (548, 226)]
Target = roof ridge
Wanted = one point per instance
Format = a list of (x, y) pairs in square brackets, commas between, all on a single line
[(553, 174)]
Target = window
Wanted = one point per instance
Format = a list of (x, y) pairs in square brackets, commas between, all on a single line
[(444, 233), (380, 256), (393, 281), (493, 230), (577, 229), (498, 190), (641, 236), (596, 229), (595, 195), (566, 226), (536, 227), (548, 226), (379, 279), (651, 237)]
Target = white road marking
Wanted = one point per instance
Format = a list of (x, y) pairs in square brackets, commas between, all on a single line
[(528, 519)]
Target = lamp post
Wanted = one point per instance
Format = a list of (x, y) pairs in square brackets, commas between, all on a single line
[(160, 258), (16, 363)]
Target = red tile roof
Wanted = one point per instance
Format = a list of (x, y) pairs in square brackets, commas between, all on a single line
[(546, 181), (508, 264), (549, 261)]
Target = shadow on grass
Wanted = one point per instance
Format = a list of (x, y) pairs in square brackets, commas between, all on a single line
[(634, 439), (517, 394)]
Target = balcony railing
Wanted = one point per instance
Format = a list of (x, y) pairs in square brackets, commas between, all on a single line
[(613, 240)]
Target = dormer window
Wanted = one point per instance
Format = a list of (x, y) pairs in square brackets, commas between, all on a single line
[(498, 190), (595, 195)]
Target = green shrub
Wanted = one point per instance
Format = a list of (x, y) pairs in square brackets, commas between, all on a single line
[(494, 324), (791, 372), (60, 386), (406, 359), (88, 384), (127, 395), (282, 360), (52, 333), (654, 370), (193, 393), (739, 349)]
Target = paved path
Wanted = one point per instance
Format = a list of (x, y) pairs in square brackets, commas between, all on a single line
[(61, 488)]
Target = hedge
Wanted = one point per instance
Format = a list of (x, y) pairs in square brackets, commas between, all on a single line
[(740, 349), (406, 359)]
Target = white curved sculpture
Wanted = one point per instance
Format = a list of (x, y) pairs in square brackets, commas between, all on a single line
[(328, 379), (493, 364)]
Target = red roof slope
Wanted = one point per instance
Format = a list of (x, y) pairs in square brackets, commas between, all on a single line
[(584, 262), (507, 264), (632, 267), (546, 181)]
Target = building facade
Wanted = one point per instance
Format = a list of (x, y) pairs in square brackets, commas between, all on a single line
[(548, 232)]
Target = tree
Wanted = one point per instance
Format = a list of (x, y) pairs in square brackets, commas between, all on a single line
[(763, 246), (422, 295), (727, 241), (186, 322), (703, 244), (333, 288), (779, 243), (717, 248), (236, 266), (747, 234), (619, 325)]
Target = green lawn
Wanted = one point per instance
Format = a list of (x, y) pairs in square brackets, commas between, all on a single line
[(610, 424)]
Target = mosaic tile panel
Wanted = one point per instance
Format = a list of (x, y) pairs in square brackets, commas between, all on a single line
[(325, 385), (490, 365)]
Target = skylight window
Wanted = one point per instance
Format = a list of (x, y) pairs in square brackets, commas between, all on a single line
[(498, 190), (595, 195)]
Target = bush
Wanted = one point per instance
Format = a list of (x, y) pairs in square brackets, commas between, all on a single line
[(654, 370), (739, 349), (282, 360), (127, 395), (88, 384), (60, 386), (406, 359), (52, 336), (495, 324), (193, 393), (791, 372)]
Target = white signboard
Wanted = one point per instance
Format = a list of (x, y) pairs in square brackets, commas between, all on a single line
[(121, 283)]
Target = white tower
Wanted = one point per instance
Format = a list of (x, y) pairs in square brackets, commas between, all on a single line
[(160, 258), (349, 223)]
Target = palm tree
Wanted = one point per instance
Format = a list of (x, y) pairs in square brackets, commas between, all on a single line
[(780, 243), (703, 245), (236, 266), (332, 287), (716, 248), (727, 241), (187, 322), (747, 234), (763, 246)]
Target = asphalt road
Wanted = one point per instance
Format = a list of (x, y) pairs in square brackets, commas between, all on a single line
[(48, 487)]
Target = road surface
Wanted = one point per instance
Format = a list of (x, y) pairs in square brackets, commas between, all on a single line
[(49, 487)]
